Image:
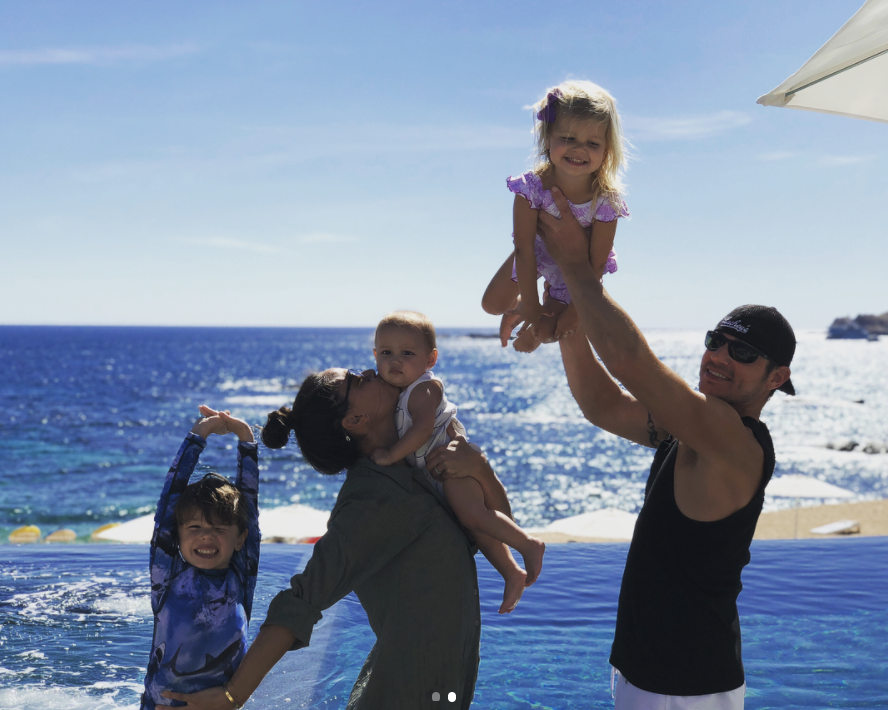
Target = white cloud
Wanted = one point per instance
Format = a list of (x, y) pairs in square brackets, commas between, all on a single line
[(685, 127), (845, 159), (92, 55), (776, 155)]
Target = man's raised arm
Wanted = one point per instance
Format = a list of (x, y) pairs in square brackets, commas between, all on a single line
[(707, 425), (601, 399)]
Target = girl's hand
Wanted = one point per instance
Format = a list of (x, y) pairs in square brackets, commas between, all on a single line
[(382, 457), (209, 699), (456, 460)]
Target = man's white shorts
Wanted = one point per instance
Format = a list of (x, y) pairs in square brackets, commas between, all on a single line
[(628, 697)]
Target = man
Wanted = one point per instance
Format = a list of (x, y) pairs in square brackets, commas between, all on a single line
[(677, 640)]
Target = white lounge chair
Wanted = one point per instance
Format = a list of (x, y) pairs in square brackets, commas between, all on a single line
[(840, 527)]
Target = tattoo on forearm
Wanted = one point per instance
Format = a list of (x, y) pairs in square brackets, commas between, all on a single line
[(653, 438)]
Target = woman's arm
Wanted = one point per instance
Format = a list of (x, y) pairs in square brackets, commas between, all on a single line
[(270, 645)]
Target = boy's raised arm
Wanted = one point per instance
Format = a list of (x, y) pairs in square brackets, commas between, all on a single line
[(164, 541)]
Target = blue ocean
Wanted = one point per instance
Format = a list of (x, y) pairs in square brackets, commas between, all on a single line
[(91, 417)]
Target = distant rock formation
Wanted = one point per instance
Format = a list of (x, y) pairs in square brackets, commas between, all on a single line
[(862, 327)]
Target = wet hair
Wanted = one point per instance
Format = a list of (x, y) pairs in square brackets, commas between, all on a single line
[(419, 323), (585, 101), (316, 420), (216, 499)]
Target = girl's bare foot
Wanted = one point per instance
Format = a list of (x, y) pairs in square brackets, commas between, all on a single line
[(545, 329), (568, 322), (526, 342), (533, 559), (516, 581)]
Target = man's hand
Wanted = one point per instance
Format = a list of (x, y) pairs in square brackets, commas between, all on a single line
[(565, 238)]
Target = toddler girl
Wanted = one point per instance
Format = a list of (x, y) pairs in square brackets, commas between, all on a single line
[(405, 352), (579, 148)]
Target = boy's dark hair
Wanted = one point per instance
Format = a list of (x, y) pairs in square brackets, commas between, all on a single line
[(216, 499)]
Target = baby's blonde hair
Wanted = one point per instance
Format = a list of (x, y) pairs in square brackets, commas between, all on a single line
[(584, 101), (419, 323)]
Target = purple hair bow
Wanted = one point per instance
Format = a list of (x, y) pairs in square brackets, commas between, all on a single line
[(547, 113)]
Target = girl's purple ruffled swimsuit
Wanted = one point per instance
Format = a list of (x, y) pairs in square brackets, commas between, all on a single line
[(530, 186)]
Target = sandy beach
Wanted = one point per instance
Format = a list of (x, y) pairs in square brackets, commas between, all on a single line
[(871, 516)]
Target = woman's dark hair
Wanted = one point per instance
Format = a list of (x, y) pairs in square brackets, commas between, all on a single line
[(316, 419)]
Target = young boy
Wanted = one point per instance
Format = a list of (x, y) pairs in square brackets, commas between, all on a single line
[(406, 351), (204, 560)]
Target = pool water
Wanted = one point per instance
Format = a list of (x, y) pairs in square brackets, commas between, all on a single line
[(75, 628)]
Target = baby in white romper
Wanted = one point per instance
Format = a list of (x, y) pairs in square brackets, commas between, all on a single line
[(405, 352)]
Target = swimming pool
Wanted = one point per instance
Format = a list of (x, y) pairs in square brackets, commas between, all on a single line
[(75, 627)]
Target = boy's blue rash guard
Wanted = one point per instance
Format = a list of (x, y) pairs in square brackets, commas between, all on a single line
[(201, 617)]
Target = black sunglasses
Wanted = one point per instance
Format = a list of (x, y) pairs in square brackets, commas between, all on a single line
[(737, 349), (349, 378)]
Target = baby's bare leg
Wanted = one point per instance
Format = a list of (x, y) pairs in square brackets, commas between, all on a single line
[(467, 500), (500, 556)]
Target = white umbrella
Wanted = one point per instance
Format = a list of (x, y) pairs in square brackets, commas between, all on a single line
[(290, 522), (797, 486), (293, 522), (608, 523), (848, 75)]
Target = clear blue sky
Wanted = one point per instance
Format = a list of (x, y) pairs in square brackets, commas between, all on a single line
[(295, 163)]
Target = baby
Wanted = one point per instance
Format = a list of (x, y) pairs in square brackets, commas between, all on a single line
[(204, 560), (406, 351)]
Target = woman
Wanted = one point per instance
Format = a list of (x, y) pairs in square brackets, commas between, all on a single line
[(390, 539)]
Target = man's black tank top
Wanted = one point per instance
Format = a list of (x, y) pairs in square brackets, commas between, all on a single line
[(678, 632)]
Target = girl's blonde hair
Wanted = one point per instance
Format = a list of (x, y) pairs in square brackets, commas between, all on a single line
[(583, 101)]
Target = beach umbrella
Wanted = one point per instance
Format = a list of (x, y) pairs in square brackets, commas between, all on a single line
[(848, 75), (290, 522), (607, 523), (797, 486), (293, 523)]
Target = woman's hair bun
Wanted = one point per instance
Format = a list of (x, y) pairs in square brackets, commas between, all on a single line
[(276, 432)]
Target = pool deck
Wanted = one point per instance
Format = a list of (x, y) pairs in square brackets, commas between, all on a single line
[(871, 515)]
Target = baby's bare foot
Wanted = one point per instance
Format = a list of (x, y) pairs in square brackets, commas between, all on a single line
[(526, 342), (533, 559), (515, 583)]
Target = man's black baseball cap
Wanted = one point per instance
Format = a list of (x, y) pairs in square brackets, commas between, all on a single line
[(763, 328)]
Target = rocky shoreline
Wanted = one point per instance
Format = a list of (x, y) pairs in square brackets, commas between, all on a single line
[(864, 327)]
